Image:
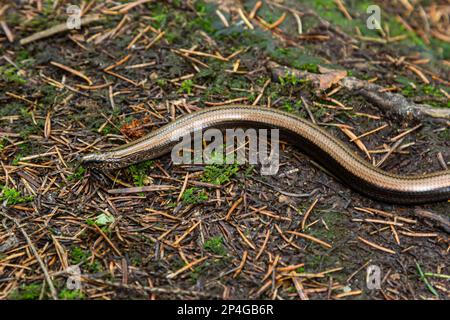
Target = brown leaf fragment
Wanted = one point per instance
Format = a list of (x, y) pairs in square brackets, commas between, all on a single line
[(135, 129)]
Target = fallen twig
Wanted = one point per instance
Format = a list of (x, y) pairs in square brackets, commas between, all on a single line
[(391, 103), (59, 28)]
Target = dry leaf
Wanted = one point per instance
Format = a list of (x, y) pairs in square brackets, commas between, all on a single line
[(328, 77), (135, 129)]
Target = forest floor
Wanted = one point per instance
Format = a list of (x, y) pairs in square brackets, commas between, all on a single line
[(216, 231)]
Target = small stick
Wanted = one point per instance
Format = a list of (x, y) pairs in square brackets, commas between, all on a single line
[(418, 234), (246, 240), (385, 214), (391, 150), (419, 73), (255, 9), (299, 22), (135, 39), (311, 207), (440, 220), (203, 54), (185, 182), (290, 268), (186, 267), (233, 207), (222, 18), (395, 233), (289, 241), (442, 161), (376, 246), (401, 135), (118, 63), (107, 240), (241, 265), (311, 116), (186, 234), (343, 9), (264, 245), (299, 287), (359, 143), (7, 31), (348, 294), (155, 40), (141, 189), (358, 270), (392, 223), (278, 22), (72, 71), (261, 93), (63, 27), (244, 18), (369, 132), (307, 236)]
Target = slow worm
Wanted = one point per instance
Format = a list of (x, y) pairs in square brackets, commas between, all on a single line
[(316, 142)]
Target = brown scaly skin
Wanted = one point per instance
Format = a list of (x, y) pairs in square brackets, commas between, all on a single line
[(330, 152)]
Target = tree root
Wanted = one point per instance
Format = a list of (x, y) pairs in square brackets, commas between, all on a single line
[(438, 220), (395, 104), (392, 104)]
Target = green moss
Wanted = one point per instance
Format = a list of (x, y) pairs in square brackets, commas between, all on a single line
[(333, 221), (432, 91), (194, 196), (13, 18), (24, 59), (424, 90), (195, 274), (67, 294), (13, 196), (186, 86), (220, 173), (12, 108), (288, 78), (319, 112), (46, 18), (408, 91), (293, 107), (162, 83), (159, 14), (108, 129), (49, 95), (310, 67), (27, 292), (99, 223), (204, 20), (11, 75), (298, 59), (29, 130), (78, 255), (77, 175), (445, 135), (94, 267), (215, 245), (139, 172)]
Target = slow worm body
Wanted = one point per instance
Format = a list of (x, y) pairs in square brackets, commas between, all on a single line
[(316, 142)]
